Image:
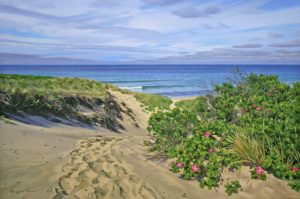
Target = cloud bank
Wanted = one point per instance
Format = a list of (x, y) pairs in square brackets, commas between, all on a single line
[(149, 31), (248, 46), (194, 13)]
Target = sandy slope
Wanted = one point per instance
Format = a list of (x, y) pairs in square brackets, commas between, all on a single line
[(29, 155), (66, 162)]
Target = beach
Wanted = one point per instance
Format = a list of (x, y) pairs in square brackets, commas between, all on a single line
[(150, 99), (62, 161)]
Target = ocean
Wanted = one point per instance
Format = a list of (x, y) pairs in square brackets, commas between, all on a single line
[(168, 80)]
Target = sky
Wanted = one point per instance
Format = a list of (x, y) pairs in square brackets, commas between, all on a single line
[(150, 32)]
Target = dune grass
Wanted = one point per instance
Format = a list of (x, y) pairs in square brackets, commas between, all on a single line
[(244, 144), (58, 97), (153, 101), (65, 97), (194, 105), (52, 86), (58, 86), (150, 101)]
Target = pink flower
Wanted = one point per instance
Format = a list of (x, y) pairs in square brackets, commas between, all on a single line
[(258, 108), (207, 134), (179, 165), (259, 170), (295, 169), (195, 168), (210, 150)]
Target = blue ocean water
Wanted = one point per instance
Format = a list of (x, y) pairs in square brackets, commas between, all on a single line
[(168, 80)]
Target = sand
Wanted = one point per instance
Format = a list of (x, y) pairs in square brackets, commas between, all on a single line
[(60, 161)]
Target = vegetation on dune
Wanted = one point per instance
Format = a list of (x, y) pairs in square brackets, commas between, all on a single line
[(151, 102), (193, 105), (87, 101), (169, 128), (53, 86), (232, 187), (83, 100), (254, 122)]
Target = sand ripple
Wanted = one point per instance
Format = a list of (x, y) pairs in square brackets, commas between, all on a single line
[(97, 169)]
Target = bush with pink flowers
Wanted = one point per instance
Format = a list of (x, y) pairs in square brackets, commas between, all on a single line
[(261, 111)]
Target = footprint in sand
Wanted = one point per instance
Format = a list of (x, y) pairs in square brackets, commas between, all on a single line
[(97, 169)]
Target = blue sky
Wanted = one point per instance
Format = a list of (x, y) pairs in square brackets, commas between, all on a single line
[(150, 31)]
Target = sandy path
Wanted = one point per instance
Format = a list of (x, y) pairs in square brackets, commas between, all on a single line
[(97, 169)]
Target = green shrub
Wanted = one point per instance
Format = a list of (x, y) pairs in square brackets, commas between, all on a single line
[(171, 128), (295, 185), (232, 187), (254, 122)]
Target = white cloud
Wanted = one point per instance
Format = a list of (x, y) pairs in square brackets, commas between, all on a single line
[(142, 29)]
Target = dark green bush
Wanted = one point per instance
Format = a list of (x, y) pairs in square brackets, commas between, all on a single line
[(171, 128), (255, 121), (232, 187)]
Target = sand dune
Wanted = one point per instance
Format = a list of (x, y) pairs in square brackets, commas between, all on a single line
[(66, 162)]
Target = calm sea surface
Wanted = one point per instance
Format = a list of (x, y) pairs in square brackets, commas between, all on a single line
[(168, 80)]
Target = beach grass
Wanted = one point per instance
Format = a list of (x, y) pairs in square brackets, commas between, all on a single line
[(58, 86), (153, 101), (150, 101), (194, 105), (68, 98), (52, 86), (79, 100)]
